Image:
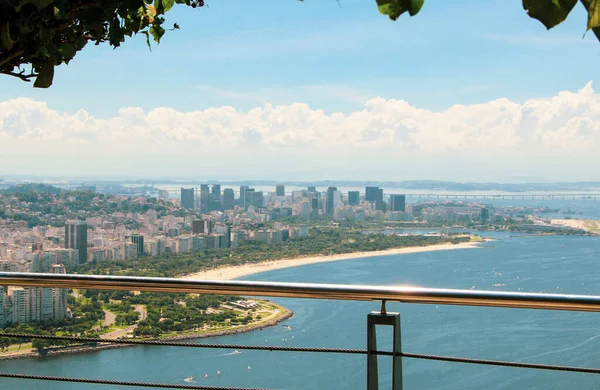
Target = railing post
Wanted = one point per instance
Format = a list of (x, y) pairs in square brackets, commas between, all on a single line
[(383, 318)]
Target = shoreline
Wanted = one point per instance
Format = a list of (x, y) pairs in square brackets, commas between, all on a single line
[(234, 272), (286, 314)]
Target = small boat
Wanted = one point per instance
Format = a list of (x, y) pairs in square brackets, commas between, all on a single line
[(205, 376), (236, 352), (218, 372), (190, 379), (249, 368)]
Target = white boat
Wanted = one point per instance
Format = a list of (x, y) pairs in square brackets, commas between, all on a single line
[(190, 379), (236, 352), (218, 372), (249, 368), (205, 376)]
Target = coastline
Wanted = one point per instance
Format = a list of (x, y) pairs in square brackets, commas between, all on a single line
[(234, 272), (286, 314)]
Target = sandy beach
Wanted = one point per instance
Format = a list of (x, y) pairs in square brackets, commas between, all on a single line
[(234, 272)]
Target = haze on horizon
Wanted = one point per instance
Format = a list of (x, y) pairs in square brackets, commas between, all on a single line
[(312, 92)]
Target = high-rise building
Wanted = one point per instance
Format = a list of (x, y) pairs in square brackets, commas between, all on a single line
[(280, 190), (242, 200), (379, 205), (371, 194), (187, 198), (59, 295), (329, 206), (248, 197), (312, 189), (138, 240), (353, 198), (485, 214), (258, 199), (76, 238), (202, 226), (216, 190), (228, 199), (204, 198), (398, 203)]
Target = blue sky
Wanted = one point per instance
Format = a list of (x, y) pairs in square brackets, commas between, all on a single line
[(465, 90), (330, 55)]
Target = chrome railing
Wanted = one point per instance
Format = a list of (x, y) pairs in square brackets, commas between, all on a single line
[(405, 294)]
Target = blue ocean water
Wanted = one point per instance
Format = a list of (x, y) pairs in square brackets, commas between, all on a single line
[(513, 262)]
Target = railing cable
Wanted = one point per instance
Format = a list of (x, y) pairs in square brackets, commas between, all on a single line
[(119, 383), (588, 370)]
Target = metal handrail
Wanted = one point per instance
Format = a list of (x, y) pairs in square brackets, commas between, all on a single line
[(405, 294)]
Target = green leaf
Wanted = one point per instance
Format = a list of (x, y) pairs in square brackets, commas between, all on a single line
[(45, 76), (394, 8), (66, 51), (163, 6), (157, 32), (147, 39), (549, 12), (593, 9)]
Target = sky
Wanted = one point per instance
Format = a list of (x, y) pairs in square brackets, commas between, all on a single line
[(317, 90)]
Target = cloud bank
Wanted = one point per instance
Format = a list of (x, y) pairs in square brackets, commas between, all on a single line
[(556, 137)]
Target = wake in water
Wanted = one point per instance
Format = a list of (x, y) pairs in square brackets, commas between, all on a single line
[(236, 352)]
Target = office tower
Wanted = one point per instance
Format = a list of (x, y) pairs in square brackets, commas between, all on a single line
[(204, 198), (371, 194), (76, 238), (249, 197), (485, 214), (353, 198), (397, 203), (329, 206), (138, 240), (228, 199), (215, 198), (243, 195), (216, 190), (280, 190), (258, 199), (187, 198), (379, 205), (59, 295)]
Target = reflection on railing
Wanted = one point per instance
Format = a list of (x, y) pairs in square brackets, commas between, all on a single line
[(404, 294)]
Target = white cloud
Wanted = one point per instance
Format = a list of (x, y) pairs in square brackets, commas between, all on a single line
[(387, 138)]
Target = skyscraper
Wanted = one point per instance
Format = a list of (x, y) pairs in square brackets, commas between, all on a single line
[(329, 206), (397, 203), (379, 205), (228, 199), (258, 199), (216, 190), (76, 238), (243, 195), (248, 197), (353, 198), (280, 190), (187, 198), (371, 194), (204, 198), (138, 240), (59, 295)]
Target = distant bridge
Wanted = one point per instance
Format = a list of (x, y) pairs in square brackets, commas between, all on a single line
[(546, 196)]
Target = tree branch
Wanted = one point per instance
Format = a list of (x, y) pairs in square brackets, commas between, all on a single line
[(20, 75)]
